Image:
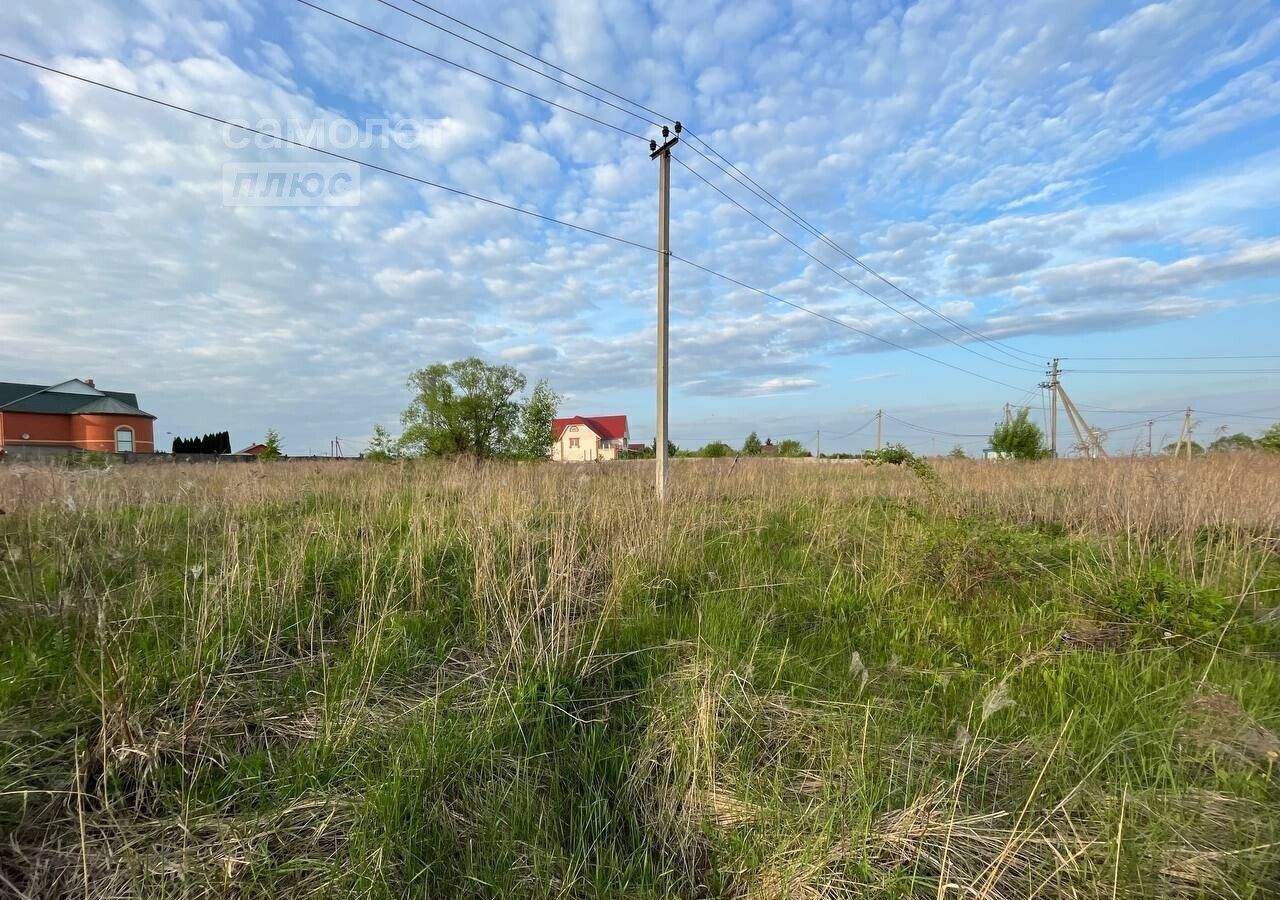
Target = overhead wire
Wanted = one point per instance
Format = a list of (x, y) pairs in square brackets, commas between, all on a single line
[(500, 204), (751, 185), (466, 68), (732, 170), (840, 274)]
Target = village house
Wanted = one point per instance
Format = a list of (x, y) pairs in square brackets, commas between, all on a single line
[(72, 415), (589, 438)]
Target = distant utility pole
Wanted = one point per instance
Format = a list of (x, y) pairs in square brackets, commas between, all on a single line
[(663, 155), (1052, 385), (1150, 422), (1184, 436), (818, 453), (879, 427), (1008, 414)]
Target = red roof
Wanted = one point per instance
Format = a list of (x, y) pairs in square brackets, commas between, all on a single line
[(607, 427)]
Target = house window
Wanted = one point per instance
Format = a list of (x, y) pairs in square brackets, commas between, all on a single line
[(573, 442), (124, 439)]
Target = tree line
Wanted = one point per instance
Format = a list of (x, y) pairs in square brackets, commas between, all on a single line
[(215, 443)]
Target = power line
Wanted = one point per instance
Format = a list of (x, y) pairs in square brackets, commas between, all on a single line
[(731, 170), (933, 431), (497, 203), (751, 185), (534, 56), (840, 274), (477, 72), (1171, 371), (330, 153), (1166, 358), (834, 321)]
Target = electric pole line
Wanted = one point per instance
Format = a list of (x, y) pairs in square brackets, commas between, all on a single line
[(663, 155), (1052, 385), (879, 427), (1184, 436), (818, 448), (1150, 422), (1008, 414)]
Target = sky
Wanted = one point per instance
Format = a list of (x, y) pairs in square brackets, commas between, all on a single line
[(1067, 180)]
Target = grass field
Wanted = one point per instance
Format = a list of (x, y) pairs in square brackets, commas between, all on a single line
[(797, 681)]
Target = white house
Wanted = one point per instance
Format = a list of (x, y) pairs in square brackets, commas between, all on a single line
[(589, 438)]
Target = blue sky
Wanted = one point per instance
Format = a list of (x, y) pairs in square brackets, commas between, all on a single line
[(1073, 180)]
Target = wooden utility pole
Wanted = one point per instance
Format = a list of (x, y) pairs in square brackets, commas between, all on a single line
[(818, 453), (879, 427), (663, 155), (1008, 414), (1150, 422)]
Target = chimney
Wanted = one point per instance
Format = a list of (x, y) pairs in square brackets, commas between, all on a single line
[(89, 381)]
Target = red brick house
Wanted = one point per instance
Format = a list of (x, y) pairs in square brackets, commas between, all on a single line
[(73, 415), (588, 438)]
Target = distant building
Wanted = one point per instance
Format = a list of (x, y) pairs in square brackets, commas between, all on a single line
[(252, 450), (589, 438), (72, 415)]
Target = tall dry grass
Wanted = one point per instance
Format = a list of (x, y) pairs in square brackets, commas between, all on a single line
[(793, 680)]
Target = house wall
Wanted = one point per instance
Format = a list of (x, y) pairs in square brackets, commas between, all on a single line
[(588, 448), (87, 432), (41, 428), (95, 431)]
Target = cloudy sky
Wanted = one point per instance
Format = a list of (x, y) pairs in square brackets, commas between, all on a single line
[(1064, 179)]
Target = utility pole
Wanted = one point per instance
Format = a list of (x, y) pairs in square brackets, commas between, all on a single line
[(1150, 422), (1008, 414), (1052, 385), (818, 453), (879, 427), (663, 155), (1184, 436)]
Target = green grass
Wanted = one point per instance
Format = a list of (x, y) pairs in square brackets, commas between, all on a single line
[(442, 681)]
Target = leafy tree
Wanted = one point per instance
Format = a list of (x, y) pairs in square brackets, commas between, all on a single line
[(271, 446), (672, 450), (1173, 449), (468, 406), (1019, 438), (752, 446), (893, 454), (716, 450), (791, 447), (1270, 439), (957, 452), (1229, 442), (381, 446), (534, 436)]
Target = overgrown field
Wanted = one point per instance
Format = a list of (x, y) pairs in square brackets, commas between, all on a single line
[(804, 681)]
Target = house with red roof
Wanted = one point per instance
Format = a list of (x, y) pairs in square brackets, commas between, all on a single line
[(589, 438)]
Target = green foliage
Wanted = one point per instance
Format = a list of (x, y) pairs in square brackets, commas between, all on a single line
[(471, 407), (957, 452), (892, 454), (716, 450), (752, 446), (270, 446), (899, 455), (1172, 449), (1270, 439), (792, 448), (534, 436), (1019, 438), (382, 447), (1230, 442)]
